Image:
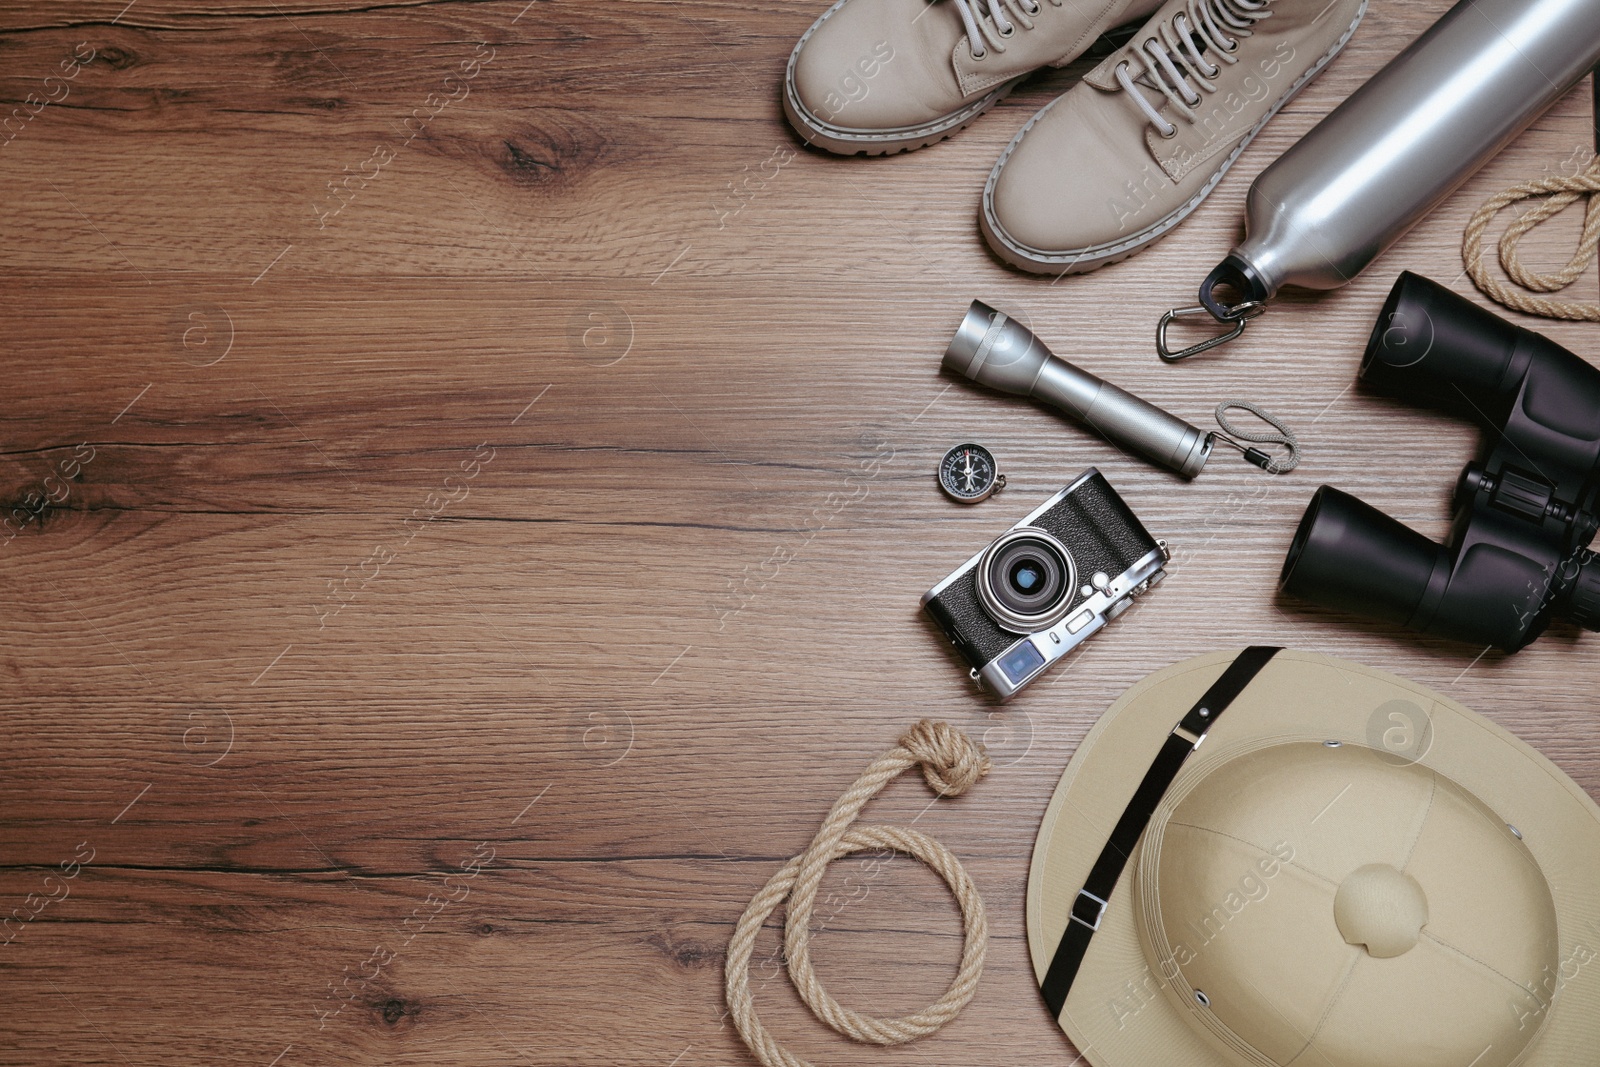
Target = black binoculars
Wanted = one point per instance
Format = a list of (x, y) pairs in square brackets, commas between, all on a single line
[(1525, 513)]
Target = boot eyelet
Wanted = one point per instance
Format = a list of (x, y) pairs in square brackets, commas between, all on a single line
[(981, 56), (1008, 34)]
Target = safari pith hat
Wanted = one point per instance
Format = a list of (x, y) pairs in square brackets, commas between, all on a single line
[(1273, 858)]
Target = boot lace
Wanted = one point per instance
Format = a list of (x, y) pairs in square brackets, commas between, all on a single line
[(1205, 26), (988, 25)]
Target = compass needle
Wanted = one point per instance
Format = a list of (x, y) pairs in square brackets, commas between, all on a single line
[(967, 474)]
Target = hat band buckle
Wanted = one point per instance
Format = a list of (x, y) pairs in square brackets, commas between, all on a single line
[(1099, 909)]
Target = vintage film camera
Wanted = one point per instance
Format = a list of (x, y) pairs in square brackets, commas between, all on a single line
[(1070, 566)]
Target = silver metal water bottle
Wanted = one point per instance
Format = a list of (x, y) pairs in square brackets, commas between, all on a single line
[(1402, 143)]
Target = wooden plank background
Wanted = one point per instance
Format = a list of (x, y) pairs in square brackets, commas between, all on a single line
[(553, 515)]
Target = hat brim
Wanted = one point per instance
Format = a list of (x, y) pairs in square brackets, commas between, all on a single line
[(1117, 1014)]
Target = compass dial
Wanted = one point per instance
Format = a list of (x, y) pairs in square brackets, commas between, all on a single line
[(967, 473)]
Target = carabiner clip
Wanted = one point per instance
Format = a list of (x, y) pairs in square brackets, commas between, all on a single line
[(1238, 314)]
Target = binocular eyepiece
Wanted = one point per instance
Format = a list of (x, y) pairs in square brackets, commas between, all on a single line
[(1517, 555)]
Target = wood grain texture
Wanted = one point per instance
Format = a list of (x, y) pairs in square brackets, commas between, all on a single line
[(378, 566)]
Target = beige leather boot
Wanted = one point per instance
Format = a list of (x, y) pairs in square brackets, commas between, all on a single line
[(871, 77), (1132, 149)]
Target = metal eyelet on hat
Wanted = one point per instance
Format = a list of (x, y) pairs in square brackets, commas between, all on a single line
[(1205, 1001), (1514, 831), (1333, 744)]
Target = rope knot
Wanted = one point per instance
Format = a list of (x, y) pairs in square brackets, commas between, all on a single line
[(951, 761)]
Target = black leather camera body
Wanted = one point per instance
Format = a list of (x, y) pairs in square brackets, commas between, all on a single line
[(1071, 565)]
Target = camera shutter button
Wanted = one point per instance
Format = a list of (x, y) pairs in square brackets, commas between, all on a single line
[(1101, 581)]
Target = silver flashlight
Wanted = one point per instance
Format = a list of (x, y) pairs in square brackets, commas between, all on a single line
[(1003, 354)]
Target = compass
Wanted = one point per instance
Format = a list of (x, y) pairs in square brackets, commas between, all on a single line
[(967, 474)]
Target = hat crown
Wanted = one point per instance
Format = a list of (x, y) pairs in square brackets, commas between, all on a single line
[(1308, 904), (1382, 909)]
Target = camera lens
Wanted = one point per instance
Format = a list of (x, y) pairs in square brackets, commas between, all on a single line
[(1026, 576), (1026, 580), (1033, 577)]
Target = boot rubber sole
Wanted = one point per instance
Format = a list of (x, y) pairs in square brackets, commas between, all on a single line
[(848, 141)]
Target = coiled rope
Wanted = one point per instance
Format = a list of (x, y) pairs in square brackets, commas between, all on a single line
[(1559, 192), (951, 763)]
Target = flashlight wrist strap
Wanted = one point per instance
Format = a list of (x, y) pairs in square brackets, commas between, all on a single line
[(1092, 901), (1244, 439)]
